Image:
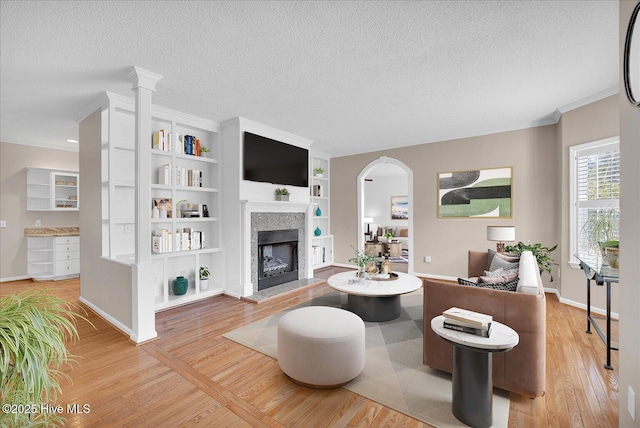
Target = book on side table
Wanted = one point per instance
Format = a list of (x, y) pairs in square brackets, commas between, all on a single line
[(467, 321)]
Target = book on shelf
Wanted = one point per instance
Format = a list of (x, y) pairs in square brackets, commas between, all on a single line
[(161, 241), (478, 331), (164, 174), (316, 190), (319, 254), (473, 319), (189, 239)]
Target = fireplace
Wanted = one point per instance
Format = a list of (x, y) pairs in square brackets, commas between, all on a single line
[(277, 257)]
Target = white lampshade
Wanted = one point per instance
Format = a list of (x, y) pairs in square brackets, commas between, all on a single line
[(501, 233), (368, 219)]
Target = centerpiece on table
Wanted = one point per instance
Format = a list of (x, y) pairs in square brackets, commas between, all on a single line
[(366, 262)]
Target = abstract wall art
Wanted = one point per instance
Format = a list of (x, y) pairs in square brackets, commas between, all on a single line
[(481, 193)]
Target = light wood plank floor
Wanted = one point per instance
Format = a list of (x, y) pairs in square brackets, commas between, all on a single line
[(192, 376)]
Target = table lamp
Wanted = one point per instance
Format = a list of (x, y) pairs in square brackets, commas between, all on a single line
[(501, 234)]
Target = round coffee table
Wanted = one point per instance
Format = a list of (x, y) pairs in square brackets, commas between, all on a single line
[(373, 300), (472, 389)]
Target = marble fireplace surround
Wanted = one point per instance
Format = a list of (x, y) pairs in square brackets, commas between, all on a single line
[(272, 215)]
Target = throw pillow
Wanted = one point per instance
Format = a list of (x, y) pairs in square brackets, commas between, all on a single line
[(463, 281), (490, 255), (500, 272), (497, 279), (504, 286), (499, 262), (404, 233), (509, 257)]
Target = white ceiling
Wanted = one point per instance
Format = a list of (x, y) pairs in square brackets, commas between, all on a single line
[(352, 76)]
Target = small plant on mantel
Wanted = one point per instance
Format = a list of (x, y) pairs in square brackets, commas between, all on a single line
[(282, 194)]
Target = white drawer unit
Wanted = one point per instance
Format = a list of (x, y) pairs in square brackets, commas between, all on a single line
[(67, 256), (53, 258)]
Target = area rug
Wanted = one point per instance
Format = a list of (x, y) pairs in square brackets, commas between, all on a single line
[(394, 374)]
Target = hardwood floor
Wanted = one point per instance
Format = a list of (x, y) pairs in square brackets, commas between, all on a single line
[(192, 376)]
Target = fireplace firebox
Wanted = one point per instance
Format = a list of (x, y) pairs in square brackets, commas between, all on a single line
[(277, 257)]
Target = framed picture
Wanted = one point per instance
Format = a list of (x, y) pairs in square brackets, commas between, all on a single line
[(163, 204), (399, 207), (481, 193)]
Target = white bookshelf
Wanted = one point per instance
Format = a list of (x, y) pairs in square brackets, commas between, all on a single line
[(322, 245), (119, 199)]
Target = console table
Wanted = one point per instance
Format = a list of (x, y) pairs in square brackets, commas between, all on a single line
[(595, 268)]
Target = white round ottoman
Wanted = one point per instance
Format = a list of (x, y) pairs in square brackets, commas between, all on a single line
[(321, 346)]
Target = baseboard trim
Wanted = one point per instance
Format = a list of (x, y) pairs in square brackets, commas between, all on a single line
[(14, 278), (594, 310), (106, 317)]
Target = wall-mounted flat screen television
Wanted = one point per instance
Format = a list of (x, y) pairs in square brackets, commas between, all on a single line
[(272, 161)]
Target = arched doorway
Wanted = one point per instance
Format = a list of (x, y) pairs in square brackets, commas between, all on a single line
[(366, 171)]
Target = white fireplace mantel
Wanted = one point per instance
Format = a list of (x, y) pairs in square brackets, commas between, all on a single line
[(252, 206)]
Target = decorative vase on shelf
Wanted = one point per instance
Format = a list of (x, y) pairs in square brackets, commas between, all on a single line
[(180, 286), (317, 232), (318, 211)]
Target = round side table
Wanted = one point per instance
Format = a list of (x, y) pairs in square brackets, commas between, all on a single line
[(472, 389)]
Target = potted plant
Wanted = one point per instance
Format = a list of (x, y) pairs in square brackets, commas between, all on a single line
[(204, 151), (34, 326), (389, 236), (282, 194), (318, 171), (542, 254), (204, 277), (612, 250), (601, 228), (362, 259)]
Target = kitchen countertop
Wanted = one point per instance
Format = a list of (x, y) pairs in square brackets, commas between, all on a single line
[(51, 231)]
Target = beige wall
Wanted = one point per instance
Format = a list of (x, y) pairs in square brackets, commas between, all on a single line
[(14, 158), (104, 284), (593, 122), (531, 153), (629, 244)]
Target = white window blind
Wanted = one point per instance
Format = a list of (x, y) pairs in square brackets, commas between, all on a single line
[(596, 191)]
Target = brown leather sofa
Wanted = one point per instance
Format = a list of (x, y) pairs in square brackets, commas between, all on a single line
[(522, 369)]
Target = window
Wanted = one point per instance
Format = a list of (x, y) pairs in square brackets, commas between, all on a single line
[(595, 194)]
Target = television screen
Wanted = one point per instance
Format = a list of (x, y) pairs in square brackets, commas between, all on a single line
[(272, 161)]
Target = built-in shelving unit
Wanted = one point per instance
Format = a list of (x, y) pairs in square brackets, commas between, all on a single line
[(50, 190), (184, 189), (322, 244), (50, 257)]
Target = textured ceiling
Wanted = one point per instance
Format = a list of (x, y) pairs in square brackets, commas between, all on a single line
[(352, 76)]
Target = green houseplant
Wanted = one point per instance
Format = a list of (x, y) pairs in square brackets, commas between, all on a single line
[(362, 259), (282, 194), (601, 230), (318, 171), (34, 326), (542, 254), (204, 277)]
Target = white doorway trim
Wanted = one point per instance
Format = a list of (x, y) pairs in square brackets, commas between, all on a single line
[(361, 177)]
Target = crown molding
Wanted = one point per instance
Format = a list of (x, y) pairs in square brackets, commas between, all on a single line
[(588, 100)]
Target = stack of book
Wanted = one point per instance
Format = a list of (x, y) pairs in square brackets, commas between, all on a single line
[(467, 321)]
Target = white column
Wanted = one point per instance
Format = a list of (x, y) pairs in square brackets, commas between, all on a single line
[(143, 311)]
